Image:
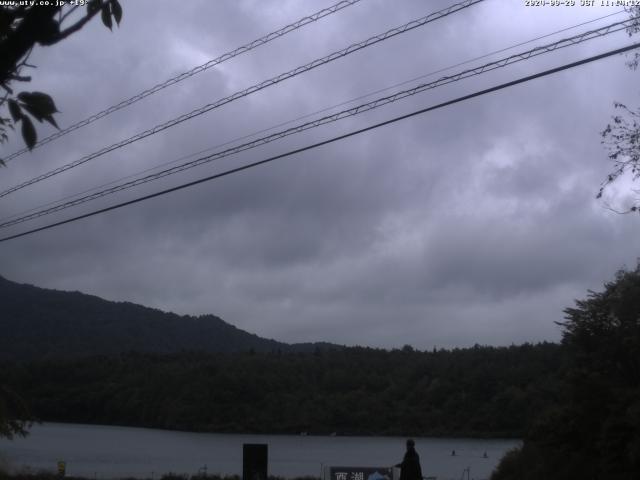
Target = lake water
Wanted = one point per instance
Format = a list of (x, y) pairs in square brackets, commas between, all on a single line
[(109, 452)]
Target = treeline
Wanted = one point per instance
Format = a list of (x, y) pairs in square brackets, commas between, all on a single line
[(480, 391)]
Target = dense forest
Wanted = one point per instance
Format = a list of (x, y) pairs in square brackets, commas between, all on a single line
[(593, 430), (480, 391)]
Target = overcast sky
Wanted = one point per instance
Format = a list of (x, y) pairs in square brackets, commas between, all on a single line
[(476, 223)]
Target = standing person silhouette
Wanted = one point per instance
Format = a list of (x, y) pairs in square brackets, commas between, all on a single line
[(410, 467)]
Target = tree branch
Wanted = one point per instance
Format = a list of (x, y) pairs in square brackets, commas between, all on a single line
[(76, 26), (20, 78), (62, 17), (23, 38)]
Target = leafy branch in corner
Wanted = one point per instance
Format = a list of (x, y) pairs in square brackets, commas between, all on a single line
[(22, 27)]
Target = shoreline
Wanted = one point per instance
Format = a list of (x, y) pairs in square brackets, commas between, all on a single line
[(434, 435)]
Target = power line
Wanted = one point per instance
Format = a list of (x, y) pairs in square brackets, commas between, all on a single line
[(194, 71), (331, 140), (302, 117), (255, 88), (576, 39)]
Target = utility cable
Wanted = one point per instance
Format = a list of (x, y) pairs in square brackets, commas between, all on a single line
[(302, 117), (576, 39), (255, 88), (331, 140), (308, 115), (194, 71)]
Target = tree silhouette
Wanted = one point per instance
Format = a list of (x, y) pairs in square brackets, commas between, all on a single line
[(15, 416), (594, 429)]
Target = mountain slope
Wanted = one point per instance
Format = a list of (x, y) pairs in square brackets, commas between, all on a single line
[(38, 323)]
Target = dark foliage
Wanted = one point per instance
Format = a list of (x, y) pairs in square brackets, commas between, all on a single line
[(594, 431), (15, 417), (24, 25), (480, 391)]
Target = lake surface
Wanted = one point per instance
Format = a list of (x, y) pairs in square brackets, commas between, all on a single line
[(111, 452)]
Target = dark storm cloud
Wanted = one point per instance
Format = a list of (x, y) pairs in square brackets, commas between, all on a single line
[(475, 223)]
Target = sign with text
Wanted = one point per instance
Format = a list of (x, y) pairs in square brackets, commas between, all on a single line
[(360, 473)]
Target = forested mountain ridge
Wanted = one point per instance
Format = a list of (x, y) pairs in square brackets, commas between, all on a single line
[(79, 358), (38, 323)]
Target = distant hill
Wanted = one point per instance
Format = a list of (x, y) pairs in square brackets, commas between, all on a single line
[(39, 324)]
